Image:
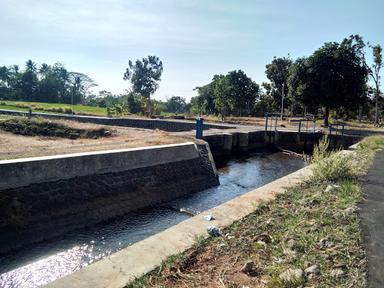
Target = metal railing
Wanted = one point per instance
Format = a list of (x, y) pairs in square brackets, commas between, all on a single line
[(335, 127), (272, 117), (309, 123)]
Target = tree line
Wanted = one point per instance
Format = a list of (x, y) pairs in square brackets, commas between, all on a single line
[(334, 78), (44, 83)]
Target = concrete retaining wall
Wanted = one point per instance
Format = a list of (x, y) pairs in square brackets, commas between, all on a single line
[(243, 141), (47, 196), (166, 125)]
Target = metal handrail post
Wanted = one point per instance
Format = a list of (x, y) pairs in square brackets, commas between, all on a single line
[(275, 123), (314, 126), (299, 126)]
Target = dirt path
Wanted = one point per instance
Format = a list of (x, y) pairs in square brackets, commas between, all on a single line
[(372, 215), (17, 146)]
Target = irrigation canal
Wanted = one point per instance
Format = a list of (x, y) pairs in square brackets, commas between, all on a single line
[(44, 262)]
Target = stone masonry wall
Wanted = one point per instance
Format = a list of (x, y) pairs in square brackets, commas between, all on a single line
[(46, 210)]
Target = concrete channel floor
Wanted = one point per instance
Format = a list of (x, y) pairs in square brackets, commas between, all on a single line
[(372, 217)]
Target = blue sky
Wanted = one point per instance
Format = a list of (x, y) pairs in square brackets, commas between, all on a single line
[(194, 38)]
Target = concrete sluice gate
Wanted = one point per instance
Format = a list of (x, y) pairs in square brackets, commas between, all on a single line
[(63, 202), (240, 142)]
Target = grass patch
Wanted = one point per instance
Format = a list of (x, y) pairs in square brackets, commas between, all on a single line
[(372, 143), (53, 108), (339, 165), (308, 237), (42, 127)]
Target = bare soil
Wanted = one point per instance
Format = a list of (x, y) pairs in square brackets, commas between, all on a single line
[(17, 146)]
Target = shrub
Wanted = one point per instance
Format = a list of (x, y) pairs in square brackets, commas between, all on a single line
[(41, 127), (332, 166), (21, 105), (68, 110), (372, 143)]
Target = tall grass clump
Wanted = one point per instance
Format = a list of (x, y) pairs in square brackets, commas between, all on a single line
[(330, 166), (372, 143)]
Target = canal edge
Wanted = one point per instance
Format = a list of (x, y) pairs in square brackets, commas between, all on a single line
[(122, 267)]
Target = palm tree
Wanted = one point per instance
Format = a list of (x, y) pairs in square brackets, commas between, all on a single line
[(30, 65)]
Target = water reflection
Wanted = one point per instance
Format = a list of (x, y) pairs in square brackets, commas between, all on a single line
[(45, 262)]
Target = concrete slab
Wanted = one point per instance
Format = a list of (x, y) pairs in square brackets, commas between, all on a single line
[(122, 267)]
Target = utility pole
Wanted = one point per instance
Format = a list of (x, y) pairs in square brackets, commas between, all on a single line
[(282, 102)]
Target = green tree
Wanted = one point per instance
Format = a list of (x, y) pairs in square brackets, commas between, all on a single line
[(204, 101), (277, 72), (5, 90), (375, 74), (44, 83), (243, 92), (144, 76), (265, 103), (196, 105), (234, 93), (176, 104), (13, 82), (222, 95), (4, 76), (80, 84), (135, 103), (54, 84), (47, 84), (334, 76), (29, 82)]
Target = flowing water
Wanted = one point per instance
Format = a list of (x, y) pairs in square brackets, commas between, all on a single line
[(44, 262)]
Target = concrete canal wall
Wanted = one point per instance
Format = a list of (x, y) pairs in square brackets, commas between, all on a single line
[(224, 144), (122, 267), (44, 197), (161, 124)]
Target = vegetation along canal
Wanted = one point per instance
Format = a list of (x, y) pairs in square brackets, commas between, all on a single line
[(45, 262)]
